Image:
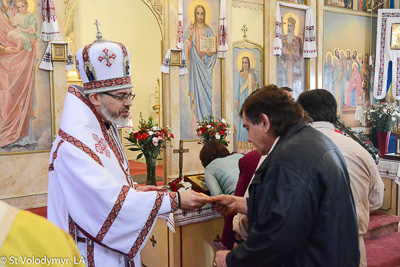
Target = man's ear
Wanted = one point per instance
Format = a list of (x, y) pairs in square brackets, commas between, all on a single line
[(265, 123), (95, 99)]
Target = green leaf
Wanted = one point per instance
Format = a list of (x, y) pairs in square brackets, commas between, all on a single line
[(139, 156)]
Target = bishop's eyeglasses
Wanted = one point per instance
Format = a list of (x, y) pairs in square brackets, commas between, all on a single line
[(122, 97)]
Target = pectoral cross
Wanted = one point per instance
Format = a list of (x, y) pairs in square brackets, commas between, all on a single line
[(98, 34), (180, 151), (244, 30)]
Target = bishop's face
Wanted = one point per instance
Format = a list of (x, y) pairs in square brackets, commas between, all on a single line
[(115, 106), (200, 15)]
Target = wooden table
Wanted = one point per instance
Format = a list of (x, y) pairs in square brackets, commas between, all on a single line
[(388, 169), (190, 245)]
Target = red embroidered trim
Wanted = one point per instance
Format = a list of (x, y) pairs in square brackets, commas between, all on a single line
[(173, 198), (72, 140), (51, 165), (90, 252), (109, 140), (124, 51), (381, 52), (72, 227), (113, 213), (85, 53), (107, 83), (147, 227)]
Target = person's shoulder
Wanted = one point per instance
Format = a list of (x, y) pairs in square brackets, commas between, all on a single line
[(250, 156)]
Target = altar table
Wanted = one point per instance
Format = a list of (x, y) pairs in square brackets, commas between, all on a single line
[(190, 245)]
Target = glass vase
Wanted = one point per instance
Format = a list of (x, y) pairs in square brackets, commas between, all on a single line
[(151, 162)]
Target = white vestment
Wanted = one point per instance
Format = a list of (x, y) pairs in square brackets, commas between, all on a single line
[(90, 193)]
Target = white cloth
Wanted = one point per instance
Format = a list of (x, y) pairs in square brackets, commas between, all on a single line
[(183, 69), (89, 182), (278, 32), (397, 179), (47, 63), (50, 30), (179, 40), (222, 31), (386, 17), (309, 42)]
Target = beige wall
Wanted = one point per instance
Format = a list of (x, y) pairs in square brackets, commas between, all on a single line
[(24, 176)]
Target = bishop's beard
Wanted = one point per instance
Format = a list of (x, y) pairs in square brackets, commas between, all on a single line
[(114, 117)]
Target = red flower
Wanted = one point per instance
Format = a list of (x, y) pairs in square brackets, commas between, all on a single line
[(172, 135), (145, 135), (174, 186), (140, 137)]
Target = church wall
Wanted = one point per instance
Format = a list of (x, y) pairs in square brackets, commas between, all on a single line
[(137, 29), (24, 176)]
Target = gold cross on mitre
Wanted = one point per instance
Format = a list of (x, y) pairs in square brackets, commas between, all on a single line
[(99, 36), (244, 30)]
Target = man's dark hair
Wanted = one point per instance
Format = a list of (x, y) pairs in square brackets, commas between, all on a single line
[(274, 102), (288, 89), (212, 150), (319, 104)]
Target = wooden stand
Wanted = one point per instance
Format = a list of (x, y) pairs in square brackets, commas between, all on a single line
[(190, 245)]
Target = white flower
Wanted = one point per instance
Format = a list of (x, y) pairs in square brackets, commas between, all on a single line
[(217, 136), (155, 141), (208, 126), (155, 128), (223, 121), (384, 110), (151, 132), (393, 119)]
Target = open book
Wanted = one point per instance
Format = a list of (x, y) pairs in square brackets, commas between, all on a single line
[(208, 43)]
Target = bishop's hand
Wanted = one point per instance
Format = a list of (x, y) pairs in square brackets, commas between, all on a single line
[(190, 200)]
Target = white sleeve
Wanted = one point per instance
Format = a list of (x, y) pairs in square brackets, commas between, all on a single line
[(115, 214)]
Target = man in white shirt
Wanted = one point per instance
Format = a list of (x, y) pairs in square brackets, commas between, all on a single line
[(366, 183)]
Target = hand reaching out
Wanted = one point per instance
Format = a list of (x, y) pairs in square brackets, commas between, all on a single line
[(227, 204), (146, 188), (190, 200)]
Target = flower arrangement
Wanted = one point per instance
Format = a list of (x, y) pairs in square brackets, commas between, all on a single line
[(360, 138), (150, 140), (210, 129), (179, 184), (383, 115)]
